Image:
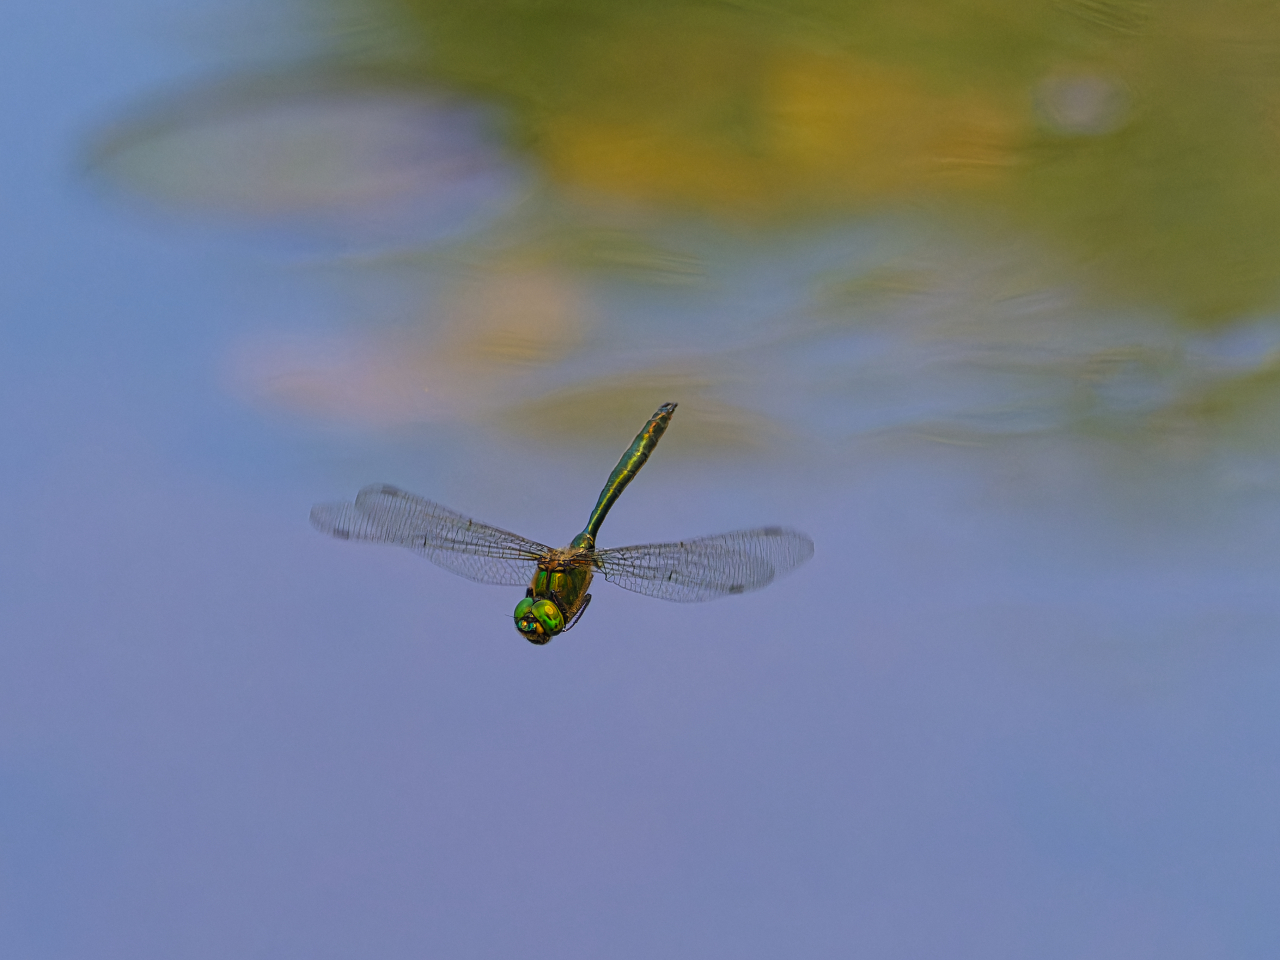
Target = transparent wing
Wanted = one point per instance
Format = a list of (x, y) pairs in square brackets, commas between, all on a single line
[(477, 551), (708, 567)]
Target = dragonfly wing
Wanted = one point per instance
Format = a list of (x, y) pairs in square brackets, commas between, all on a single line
[(708, 567), (477, 551)]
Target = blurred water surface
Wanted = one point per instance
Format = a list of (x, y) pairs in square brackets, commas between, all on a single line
[(1056, 214), (983, 295)]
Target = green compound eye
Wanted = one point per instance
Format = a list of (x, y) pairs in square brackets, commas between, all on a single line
[(534, 621), (548, 615)]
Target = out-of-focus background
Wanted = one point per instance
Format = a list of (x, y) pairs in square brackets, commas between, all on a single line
[(983, 295)]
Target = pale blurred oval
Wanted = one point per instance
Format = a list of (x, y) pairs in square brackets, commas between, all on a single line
[(356, 157), (1082, 104)]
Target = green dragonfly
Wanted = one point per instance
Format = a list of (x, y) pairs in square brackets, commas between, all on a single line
[(558, 578)]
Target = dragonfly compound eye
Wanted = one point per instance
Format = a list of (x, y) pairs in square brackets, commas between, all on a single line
[(548, 615), (529, 623)]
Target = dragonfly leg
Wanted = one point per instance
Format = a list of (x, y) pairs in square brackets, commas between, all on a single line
[(577, 616)]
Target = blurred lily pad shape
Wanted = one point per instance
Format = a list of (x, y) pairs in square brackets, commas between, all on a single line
[(362, 158)]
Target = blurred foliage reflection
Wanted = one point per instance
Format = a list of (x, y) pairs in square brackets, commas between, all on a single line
[(1142, 136), (980, 218)]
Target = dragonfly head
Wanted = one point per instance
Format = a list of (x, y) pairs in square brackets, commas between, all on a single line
[(538, 620)]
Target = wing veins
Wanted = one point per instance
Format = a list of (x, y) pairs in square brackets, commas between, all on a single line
[(706, 568), (385, 514)]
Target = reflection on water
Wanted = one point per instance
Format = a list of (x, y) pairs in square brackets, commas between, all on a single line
[(824, 220), (1082, 104), (831, 339), (319, 151)]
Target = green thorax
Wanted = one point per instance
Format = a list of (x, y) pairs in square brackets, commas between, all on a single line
[(566, 585), (556, 595), (624, 472)]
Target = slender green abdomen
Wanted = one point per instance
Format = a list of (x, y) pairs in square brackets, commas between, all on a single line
[(625, 471)]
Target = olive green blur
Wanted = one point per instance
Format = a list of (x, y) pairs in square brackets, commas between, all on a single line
[(1084, 191), (1140, 139)]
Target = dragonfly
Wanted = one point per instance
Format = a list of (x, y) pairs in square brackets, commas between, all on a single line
[(558, 578)]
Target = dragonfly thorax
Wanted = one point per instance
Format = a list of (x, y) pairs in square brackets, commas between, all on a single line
[(556, 594)]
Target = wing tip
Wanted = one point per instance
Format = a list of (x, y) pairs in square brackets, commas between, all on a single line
[(328, 518), (801, 543)]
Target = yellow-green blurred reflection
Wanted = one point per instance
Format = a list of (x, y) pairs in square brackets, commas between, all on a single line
[(1139, 138), (821, 219)]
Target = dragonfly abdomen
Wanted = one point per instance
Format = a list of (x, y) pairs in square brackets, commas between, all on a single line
[(643, 445)]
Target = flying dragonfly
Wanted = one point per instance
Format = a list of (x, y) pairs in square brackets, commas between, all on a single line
[(557, 579)]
